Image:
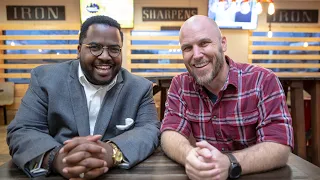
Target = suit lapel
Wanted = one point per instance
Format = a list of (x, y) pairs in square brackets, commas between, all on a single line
[(78, 101), (108, 105)]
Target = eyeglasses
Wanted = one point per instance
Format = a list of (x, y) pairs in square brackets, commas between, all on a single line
[(97, 50)]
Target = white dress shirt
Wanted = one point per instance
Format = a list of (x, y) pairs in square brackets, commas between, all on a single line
[(95, 95)]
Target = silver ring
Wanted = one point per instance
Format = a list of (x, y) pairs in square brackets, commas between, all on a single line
[(81, 175)]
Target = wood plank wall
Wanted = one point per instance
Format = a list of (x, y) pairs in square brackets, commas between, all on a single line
[(292, 54), (20, 89)]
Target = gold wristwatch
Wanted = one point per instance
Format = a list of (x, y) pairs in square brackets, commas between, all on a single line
[(117, 156)]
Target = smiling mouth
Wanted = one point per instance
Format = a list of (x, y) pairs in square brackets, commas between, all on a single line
[(103, 67), (201, 65)]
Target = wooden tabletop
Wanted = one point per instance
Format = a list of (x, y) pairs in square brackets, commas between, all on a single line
[(158, 166)]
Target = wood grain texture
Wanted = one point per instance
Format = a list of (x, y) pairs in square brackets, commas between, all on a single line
[(159, 166)]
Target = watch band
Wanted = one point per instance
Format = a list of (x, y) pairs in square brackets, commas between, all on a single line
[(235, 167), (52, 156), (232, 158), (117, 156)]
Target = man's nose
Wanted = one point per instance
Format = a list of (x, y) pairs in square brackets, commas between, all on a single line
[(197, 53)]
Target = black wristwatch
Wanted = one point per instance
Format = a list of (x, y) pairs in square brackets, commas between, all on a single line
[(235, 168)]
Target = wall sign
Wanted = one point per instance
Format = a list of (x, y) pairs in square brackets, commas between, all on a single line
[(293, 16), (36, 13), (167, 14)]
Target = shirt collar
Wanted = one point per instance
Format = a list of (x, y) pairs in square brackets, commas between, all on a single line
[(85, 83)]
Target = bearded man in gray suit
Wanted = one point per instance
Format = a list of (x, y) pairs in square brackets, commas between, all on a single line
[(82, 117)]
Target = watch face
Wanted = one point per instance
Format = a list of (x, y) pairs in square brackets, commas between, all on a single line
[(235, 171)]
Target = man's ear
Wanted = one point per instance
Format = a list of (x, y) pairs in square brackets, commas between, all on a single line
[(224, 43), (79, 50)]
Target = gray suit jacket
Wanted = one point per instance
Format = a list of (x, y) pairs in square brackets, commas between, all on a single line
[(54, 109)]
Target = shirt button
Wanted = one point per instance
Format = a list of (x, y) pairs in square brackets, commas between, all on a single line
[(214, 117), (222, 149), (218, 133)]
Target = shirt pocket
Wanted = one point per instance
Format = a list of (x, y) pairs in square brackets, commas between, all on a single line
[(242, 127), (198, 122)]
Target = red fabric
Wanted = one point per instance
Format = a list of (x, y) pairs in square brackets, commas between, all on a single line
[(250, 108)]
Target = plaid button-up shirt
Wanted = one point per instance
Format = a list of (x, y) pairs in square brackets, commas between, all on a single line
[(250, 108)]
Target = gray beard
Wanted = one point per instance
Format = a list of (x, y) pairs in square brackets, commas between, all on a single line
[(208, 78)]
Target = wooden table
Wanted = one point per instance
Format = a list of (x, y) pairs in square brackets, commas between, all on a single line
[(297, 85), (158, 166)]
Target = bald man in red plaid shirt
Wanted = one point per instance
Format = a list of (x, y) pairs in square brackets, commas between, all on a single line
[(236, 112)]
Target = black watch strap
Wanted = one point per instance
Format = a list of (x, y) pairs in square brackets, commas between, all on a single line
[(232, 158), (52, 156), (235, 167)]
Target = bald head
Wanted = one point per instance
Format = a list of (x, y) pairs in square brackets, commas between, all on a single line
[(199, 22)]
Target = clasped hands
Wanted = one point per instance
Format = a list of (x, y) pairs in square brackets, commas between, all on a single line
[(83, 158), (206, 162)]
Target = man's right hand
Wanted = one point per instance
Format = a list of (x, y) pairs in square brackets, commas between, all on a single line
[(197, 167), (81, 155)]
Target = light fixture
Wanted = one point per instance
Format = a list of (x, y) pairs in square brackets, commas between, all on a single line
[(58, 53), (271, 8), (12, 43), (40, 50), (270, 32), (233, 5), (259, 7), (305, 44)]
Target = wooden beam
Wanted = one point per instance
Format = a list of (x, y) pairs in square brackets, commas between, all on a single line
[(37, 56), (288, 57), (284, 39), (43, 46), (158, 66), (156, 56), (282, 48), (159, 38), (154, 47), (19, 66), (41, 26), (287, 65), (39, 37)]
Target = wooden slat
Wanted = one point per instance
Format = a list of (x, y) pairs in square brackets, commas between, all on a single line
[(39, 37), (284, 39), (284, 57), (298, 74), (15, 75), (44, 46), (154, 56), (156, 74), (158, 66), (156, 47), (287, 65), (161, 38), (20, 89), (38, 56), (266, 48), (41, 26), (289, 29), (19, 66)]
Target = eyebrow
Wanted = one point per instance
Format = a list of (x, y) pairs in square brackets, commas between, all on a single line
[(184, 46), (111, 45), (205, 39), (201, 40)]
